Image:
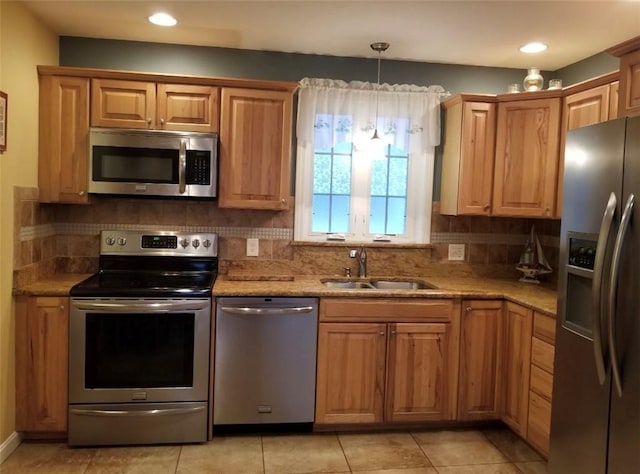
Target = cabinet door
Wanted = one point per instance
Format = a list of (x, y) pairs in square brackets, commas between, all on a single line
[(526, 164), (481, 357), (476, 165), (63, 147), (123, 104), (187, 107), (255, 149), (519, 323), (614, 99), (41, 363), (629, 104), (350, 374), (420, 373)]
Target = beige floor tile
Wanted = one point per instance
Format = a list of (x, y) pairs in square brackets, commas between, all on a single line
[(223, 455), (382, 451), (49, 458), (533, 467), (307, 453), (511, 445), (135, 460), (457, 448), (507, 468)]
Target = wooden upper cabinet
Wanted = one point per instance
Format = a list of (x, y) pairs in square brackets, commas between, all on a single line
[(146, 105), (42, 335), (586, 107), (614, 99), (255, 149), (629, 54), (351, 368), (468, 156), (421, 375), (519, 327), (63, 148), (527, 150), (480, 388)]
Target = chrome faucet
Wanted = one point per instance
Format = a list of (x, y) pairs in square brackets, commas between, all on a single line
[(361, 255)]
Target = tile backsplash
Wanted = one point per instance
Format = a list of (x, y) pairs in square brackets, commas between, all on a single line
[(65, 238)]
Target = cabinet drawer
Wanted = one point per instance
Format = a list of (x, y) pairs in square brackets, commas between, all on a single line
[(539, 425), (376, 309), (544, 327), (542, 354), (541, 382)]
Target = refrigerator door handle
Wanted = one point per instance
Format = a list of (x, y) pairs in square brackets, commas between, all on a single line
[(613, 289), (599, 344)]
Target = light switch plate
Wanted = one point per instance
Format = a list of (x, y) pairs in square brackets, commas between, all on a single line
[(456, 251), (253, 249)]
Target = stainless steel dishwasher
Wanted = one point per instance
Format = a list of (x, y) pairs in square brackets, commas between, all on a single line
[(265, 360)]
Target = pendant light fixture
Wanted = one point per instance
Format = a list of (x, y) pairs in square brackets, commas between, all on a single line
[(379, 47)]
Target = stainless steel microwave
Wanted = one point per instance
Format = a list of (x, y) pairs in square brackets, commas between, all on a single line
[(152, 163)]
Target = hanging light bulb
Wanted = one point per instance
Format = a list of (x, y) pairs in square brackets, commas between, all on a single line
[(379, 47)]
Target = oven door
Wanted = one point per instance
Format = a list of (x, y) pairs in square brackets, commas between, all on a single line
[(139, 350)]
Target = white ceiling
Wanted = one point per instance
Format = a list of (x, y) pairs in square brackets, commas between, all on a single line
[(486, 33)]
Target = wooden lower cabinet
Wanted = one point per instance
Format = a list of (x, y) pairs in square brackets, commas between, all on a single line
[(480, 384), (42, 332), (374, 372), (350, 376), (518, 331)]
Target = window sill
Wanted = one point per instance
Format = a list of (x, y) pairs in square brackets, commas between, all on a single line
[(368, 244)]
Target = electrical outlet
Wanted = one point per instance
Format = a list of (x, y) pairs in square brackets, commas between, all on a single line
[(253, 248), (456, 251)]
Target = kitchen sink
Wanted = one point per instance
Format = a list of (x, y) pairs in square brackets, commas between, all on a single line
[(402, 285), (378, 285), (349, 285)]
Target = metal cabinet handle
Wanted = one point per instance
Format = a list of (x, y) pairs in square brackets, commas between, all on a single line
[(613, 289), (80, 193), (599, 344), (161, 121), (468, 309), (149, 120)]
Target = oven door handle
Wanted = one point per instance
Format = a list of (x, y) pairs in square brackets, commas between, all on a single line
[(266, 311), (119, 413), (140, 307)]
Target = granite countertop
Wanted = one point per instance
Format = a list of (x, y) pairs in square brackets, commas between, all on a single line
[(530, 295), (58, 284), (534, 296)]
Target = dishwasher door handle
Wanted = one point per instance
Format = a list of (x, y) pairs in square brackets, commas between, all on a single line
[(265, 311)]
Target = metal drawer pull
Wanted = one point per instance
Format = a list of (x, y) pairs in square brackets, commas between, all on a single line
[(249, 310), (157, 412), (138, 307)]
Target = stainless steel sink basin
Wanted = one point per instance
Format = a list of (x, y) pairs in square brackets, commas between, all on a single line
[(349, 285), (378, 285), (402, 285)]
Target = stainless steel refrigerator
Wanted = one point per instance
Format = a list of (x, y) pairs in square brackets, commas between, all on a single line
[(595, 418)]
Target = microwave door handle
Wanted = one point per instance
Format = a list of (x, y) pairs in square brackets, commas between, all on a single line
[(182, 166)]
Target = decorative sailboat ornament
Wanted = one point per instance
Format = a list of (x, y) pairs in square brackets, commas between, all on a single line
[(533, 262)]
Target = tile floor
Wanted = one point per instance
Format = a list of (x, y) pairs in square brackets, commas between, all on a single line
[(492, 451)]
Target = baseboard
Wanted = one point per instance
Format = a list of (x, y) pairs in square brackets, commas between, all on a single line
[(9, 445)]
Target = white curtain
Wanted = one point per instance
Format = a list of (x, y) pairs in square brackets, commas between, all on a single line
[(333, 111)]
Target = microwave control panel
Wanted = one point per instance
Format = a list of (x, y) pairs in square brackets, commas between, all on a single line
[(198, 167)]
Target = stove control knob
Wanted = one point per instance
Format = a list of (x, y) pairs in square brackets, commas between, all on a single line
[(110, 240), (122, 241), (184, 243), (195, 243), (206, 243)]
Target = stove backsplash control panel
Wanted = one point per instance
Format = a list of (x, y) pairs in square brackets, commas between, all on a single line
[(127, 242)]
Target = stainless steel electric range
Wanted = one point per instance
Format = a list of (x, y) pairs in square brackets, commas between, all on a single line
[(139, 338)]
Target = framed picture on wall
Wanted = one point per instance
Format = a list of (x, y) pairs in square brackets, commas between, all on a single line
[(3, 121)]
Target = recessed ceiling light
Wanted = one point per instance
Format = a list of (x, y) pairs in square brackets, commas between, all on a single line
[(162, 19), (533, 48)]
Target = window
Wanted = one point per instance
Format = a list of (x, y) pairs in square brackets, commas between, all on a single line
[(350, 188)]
